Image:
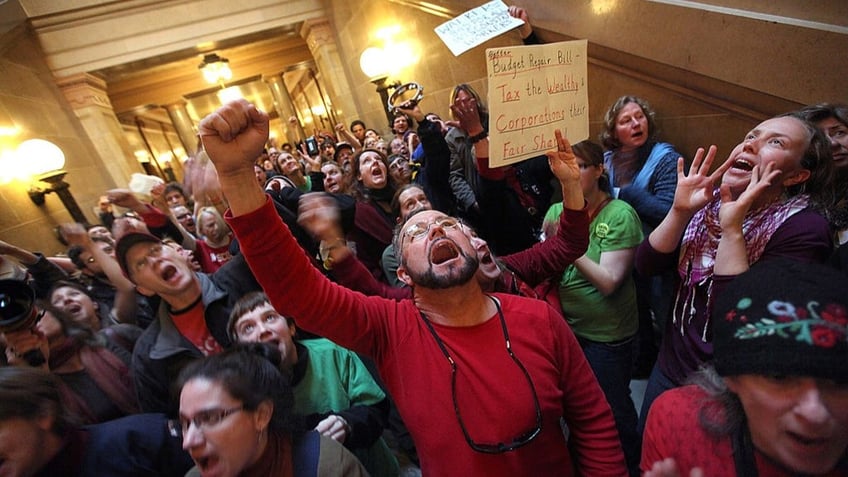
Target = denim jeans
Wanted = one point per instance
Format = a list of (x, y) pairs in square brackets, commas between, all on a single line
[(658, 383), (612, 364)]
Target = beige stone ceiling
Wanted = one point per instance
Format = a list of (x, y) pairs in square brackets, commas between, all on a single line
[(141, 88)]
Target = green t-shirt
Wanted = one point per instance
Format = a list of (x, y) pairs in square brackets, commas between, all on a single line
[(335, 380), (591, 315)]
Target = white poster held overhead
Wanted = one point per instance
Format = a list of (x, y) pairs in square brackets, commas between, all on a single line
[(477, 25), (532, 91)]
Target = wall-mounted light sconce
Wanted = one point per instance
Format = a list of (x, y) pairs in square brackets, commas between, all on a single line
[(46, 161), (216, 70), (374, 64)]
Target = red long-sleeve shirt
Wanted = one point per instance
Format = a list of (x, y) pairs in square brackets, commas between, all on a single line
[(494, 397)]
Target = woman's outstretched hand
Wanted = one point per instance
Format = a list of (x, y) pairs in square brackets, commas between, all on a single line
[(732, 211), (695, 189)]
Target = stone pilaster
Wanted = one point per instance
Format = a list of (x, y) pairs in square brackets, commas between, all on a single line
[(87, 96), (322, 44)]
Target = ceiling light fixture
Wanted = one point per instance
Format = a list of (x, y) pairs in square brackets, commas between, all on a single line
[(216, 70)]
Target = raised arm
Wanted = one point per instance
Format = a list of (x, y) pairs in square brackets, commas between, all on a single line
[(318, 214), (563, 164), (187, 239), (125, 305), (158, 222), (348, 136), (435, 171), (548, 259), (234, 136), (44, 272), (525, 31)]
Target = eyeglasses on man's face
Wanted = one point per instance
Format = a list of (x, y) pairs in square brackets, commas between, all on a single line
[(398, 163), (203, 420), (419, 229)]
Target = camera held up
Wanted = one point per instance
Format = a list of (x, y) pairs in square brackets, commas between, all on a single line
[(18, 312)]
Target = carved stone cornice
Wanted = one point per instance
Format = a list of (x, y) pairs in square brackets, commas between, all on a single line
[(317, 32), (83, 90)]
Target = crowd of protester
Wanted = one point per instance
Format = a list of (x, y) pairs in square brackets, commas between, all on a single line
[(394, 306)]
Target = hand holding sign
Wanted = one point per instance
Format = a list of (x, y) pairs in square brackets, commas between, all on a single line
[(532, 90), (475, 26)]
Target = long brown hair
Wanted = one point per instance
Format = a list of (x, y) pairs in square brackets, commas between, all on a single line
[(818, 159)]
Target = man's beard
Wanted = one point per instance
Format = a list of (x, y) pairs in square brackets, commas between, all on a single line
[(455, 275)]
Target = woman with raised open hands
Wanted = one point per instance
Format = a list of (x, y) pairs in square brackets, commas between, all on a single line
[(764, 209)]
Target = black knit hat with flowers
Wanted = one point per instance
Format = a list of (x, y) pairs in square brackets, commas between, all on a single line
[(783, 318)]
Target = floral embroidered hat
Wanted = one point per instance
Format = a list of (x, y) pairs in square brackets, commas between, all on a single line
[(783, 318)]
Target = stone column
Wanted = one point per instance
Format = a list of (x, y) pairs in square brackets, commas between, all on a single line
[(285, 107), (87, 96), (183, 124), (322, 44)]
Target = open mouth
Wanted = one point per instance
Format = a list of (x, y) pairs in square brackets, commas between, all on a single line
[(742, 164), (271, 341), (205, 463), (442, 251), (168, 272), (486, 259), (74, 308)]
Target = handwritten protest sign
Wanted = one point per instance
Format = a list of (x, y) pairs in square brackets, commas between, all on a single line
[(532, 91), (476, 26)]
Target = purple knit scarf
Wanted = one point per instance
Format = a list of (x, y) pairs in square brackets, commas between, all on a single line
[(700, 243)]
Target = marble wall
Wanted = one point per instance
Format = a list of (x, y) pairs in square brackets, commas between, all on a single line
[(32, 106), (709, 76)]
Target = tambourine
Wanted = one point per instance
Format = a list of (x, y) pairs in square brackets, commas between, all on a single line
[(405, 93)]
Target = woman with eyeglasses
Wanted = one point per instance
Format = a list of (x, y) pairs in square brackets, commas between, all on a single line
[(598, 295), (236, 419)]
